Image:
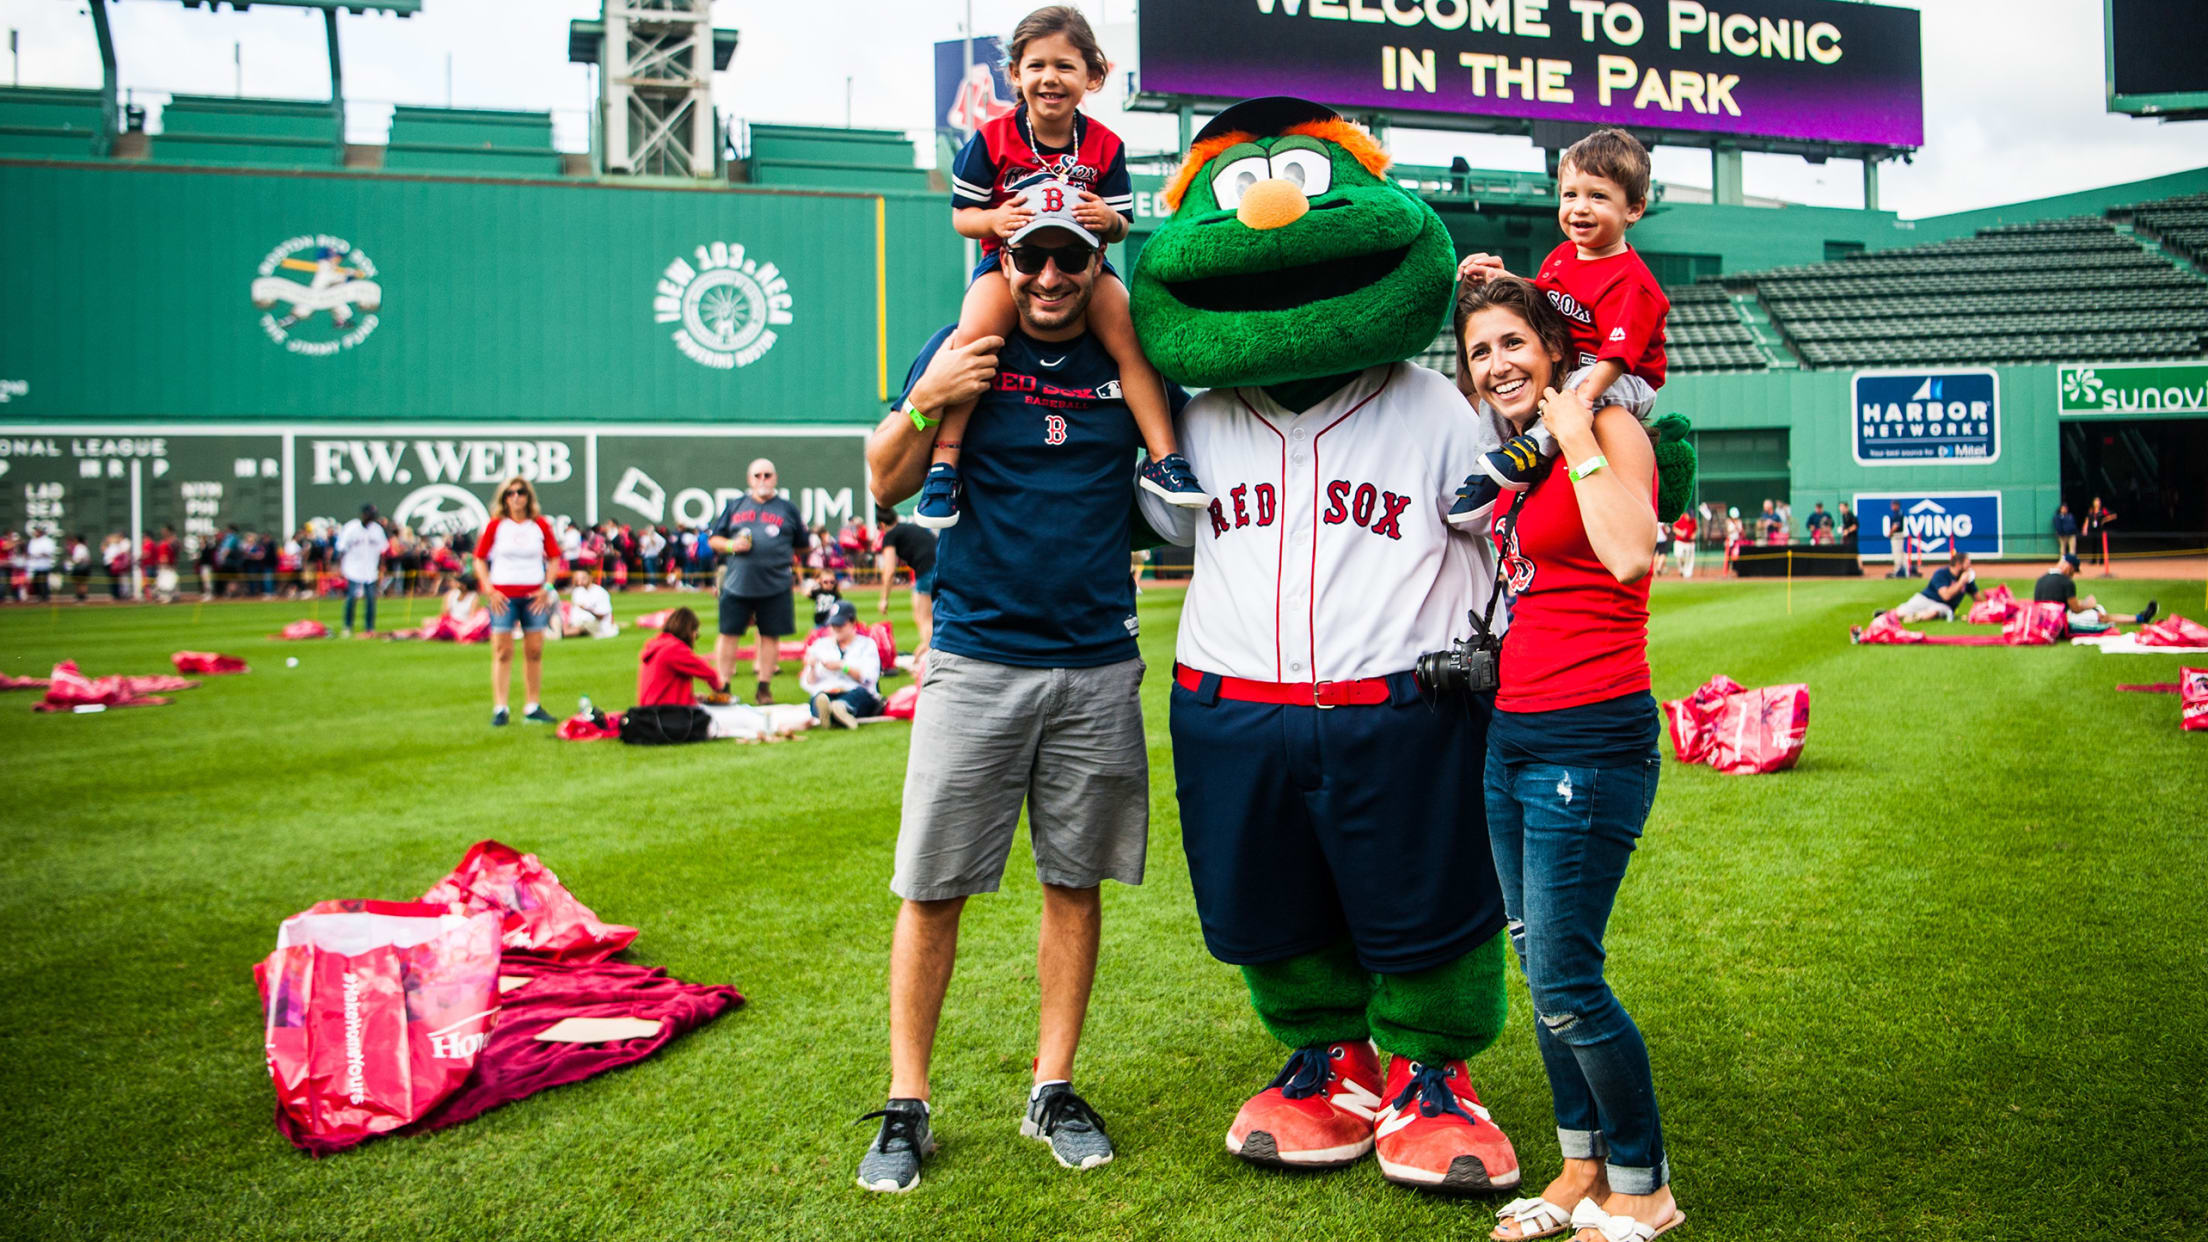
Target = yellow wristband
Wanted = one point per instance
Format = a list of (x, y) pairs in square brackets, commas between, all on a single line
[(920, 420), (1587, 467)]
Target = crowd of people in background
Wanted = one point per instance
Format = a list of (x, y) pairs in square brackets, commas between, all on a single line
[(43, 564), (234, 562)]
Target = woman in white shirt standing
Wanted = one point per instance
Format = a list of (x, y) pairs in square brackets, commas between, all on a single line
[(514, 560)]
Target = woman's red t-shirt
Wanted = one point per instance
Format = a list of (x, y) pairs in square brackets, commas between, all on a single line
[(1577, 635)]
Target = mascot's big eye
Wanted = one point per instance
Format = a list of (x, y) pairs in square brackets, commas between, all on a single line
[(1229, 183), (1308, 171)]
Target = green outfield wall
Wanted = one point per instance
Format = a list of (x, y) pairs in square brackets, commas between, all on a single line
[(133, 292)]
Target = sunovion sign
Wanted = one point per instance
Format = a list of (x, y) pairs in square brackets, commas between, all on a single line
[(2132, 389), (1926, 417), (1809, 70), (1940, 523)]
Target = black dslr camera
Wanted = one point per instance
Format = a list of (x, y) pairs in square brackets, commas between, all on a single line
[(1467, 666)]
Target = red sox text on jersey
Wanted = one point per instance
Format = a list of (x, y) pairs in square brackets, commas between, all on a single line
[(1258, 504)]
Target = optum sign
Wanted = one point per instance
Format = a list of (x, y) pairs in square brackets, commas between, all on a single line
[(2133, 390)]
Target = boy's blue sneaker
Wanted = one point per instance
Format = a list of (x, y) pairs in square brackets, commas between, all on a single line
[(938, 509), (1517, 464), (1170, 476), (1475, 501)]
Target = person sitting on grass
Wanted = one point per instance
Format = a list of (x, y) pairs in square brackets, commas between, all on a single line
[(1936, 602), (2086, 615), (593, 615), (843, 671), (664, 671)]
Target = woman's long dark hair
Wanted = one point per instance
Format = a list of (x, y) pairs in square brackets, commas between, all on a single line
[(682, 624), (1516, 294)]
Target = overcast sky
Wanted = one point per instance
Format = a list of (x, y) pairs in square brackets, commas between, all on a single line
[(2013, 89)]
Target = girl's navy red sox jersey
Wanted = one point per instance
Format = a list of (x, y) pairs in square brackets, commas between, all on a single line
[(1324, 555), (1003, 153)]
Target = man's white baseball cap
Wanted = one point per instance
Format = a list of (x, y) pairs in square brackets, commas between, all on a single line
[(1035, 194)]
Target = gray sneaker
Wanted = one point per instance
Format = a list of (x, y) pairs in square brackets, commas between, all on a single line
[(892, 1161), (1065, 1121)]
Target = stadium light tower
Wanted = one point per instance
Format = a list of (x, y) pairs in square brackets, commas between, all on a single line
[(655, 61)]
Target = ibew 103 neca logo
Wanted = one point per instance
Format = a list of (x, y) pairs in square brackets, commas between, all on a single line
[(725, 306)]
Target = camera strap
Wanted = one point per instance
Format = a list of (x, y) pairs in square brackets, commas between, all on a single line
[(1485, 624)]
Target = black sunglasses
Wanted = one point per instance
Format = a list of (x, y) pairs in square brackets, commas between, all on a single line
[(1031, 258)]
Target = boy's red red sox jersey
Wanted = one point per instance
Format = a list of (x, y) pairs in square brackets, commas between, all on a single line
[(1324, 555), (1614, 306)]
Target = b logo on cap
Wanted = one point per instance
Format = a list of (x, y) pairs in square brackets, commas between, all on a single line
[(1054, 199)]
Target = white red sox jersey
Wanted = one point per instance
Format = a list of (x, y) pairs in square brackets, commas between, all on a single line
[(1324, 555)]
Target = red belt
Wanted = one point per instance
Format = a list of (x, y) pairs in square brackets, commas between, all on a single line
[(1363, 692)]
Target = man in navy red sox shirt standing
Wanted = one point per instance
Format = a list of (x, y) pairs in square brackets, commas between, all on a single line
[(1033, 681), (760, 534)]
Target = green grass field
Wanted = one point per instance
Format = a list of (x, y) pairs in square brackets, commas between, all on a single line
[(1943, 981)]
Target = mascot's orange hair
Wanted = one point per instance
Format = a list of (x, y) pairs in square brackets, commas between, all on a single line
[(1339, 132)]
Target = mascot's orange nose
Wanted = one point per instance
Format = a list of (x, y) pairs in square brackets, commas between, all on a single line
[(1271, 204)]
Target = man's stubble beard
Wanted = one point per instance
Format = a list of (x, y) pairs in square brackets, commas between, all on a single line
[(1023, 301)]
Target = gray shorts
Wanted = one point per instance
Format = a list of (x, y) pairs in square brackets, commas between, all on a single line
[(1066, 742)]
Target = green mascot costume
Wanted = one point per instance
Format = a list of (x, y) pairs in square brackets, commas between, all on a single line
[(1331, 806)]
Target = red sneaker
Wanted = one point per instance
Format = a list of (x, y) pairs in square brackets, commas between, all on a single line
[(1434, 1134), (1318, 1111)]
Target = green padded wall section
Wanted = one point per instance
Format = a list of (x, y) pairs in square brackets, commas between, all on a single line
[(216, 129), (49, 123), (477, 141)]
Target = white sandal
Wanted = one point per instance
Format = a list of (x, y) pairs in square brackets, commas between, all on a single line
[(1589, 1215), (1532, 1218)]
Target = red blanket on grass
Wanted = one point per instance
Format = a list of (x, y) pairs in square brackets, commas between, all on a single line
[(347, 1045), (304, 628), (2031, 625), (1737, 730), (69, 689), (1996, 607), (209, 662), (2174, 631), (515, 1064)]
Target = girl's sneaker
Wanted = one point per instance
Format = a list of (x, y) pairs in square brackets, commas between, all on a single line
[(1172, 477), (938, 508)]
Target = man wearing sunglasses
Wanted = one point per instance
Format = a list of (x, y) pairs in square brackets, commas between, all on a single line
[(1032, 690), (761, 534)]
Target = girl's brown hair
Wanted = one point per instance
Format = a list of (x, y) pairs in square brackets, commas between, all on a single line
[(1515, 294), (1057, 19), (683, 625), (499, 509)]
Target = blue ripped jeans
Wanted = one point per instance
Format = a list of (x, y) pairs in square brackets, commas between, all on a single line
[(1561, 837)]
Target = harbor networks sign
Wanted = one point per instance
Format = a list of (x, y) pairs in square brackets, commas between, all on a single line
[(2132, 390)]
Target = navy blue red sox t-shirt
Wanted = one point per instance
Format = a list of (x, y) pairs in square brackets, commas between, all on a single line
[(1035, 573)]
